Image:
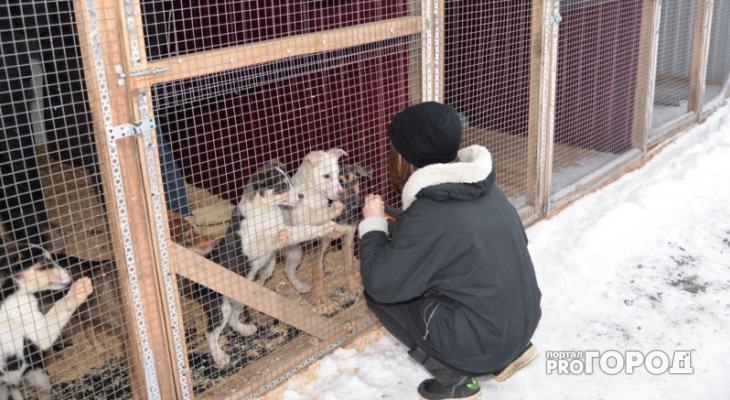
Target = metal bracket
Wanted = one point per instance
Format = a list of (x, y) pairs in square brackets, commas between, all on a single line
[(148, 71), (554, 19), (131, 129)]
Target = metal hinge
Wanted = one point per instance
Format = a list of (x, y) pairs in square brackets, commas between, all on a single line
[(553, 19), (132, 129), (148, 71)]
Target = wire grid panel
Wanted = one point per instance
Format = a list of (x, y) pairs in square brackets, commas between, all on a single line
[(598, 61), (673, 65), (717, 79), (486, 78), (256, 103), (58, 259)]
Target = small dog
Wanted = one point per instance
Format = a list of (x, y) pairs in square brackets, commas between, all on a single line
[(24, 330), (351, 177), (256, 233), (318, 179)]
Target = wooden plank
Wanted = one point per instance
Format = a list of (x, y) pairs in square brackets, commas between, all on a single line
[(643, 101), (108, 37), (250, 378), (700, 49), (235, 57), (213, 276), (149, 273), (154, 248), (133, 63), (537, 123)]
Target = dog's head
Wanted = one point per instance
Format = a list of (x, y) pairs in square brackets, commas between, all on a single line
[(324, 170), (272, 182), (34, 269), (351, 178)]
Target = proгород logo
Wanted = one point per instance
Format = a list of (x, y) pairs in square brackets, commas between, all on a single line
[(612, 362)]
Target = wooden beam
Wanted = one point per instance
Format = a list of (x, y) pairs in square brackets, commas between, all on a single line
[(543, 63), (700, 49), (108, 37), (643, 99), (226, 282), (235, 57), (537, 117), (415, 60)]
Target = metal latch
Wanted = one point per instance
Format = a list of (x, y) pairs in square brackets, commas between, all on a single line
[(553, 19), (131, 129)]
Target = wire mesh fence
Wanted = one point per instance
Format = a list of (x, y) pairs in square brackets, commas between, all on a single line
[(67, 314), (672, 90), (266, 142), (598, 58), (486, 78), (191, 174)]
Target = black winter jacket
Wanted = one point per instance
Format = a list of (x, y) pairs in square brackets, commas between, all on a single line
[(458, 260)]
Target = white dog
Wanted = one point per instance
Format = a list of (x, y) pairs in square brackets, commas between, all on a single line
[(318, 180)]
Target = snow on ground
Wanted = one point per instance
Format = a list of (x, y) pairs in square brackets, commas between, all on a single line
[(643, 264)]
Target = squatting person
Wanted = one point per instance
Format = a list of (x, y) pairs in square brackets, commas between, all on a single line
[(451, 278)]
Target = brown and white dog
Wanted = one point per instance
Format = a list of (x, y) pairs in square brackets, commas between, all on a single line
[(351, 178), (318, 179)]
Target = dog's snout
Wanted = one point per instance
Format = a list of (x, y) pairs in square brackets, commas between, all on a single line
[(301, 196)]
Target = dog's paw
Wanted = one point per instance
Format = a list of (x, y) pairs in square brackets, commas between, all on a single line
[(334, 231), (245, 329), (221, 359), (337, 207), (302, 287), (284, 235), (80, 290)]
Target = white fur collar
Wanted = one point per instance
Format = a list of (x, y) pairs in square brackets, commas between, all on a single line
[(474, 165)]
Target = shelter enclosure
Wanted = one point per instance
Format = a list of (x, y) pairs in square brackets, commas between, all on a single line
[(140, 135)]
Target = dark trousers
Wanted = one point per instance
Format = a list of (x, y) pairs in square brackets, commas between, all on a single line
[(397, 320)]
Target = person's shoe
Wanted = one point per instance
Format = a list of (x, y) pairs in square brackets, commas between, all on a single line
[(464, 388), (528, 355)]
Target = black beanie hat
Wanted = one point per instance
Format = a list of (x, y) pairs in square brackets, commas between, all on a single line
[(426, 133)]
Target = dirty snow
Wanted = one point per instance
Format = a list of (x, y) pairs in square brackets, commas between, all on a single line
[(642, 264)]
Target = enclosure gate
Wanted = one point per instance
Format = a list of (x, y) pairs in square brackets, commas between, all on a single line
[(128, 72), (194, 99)]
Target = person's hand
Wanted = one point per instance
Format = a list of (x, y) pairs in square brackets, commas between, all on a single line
[(373, 206)]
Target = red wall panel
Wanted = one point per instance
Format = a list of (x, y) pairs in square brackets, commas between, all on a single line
[(222, 127), (487, 62), (598, 54)]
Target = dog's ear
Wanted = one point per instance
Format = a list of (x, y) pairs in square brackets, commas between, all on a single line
[(364, 171), (276, 164), (313, 157), (338, 152), (259, 177)]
